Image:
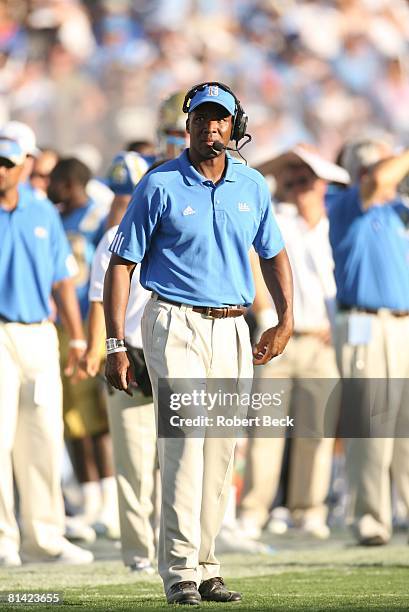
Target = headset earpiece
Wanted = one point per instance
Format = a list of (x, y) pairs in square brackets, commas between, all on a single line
[(240, 124)]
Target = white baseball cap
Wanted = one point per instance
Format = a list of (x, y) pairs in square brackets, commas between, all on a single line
[(11, 150), (22, 134), (321, 167)]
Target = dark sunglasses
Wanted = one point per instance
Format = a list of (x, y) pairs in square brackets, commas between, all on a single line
[(6, 163)]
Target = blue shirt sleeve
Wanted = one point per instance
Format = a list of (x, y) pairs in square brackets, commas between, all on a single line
[(99, 234), (140, 221), (268, 241), (342, 209), (64, 262)]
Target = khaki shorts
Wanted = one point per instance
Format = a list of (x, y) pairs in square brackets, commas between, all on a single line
[(84, 406)]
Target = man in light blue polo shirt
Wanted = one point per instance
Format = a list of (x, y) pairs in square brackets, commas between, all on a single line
[(35, 263), (370, 242), (191, 223)]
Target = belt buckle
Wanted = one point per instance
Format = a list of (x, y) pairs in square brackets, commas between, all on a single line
[(208, 310)]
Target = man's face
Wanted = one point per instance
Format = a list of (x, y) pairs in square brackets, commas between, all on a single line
[(9, 175), (59, 190), (42, 168), (207, 124), (300, 186)]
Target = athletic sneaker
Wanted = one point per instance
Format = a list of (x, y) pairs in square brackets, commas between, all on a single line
[(248, 528), (279, 521), (316, 528), (77, 530), (142, 566), (231, 540), (10, 559), (71, 555)]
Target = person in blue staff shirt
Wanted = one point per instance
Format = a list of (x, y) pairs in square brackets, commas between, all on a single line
[(85, 418), (191, 222), (370, 243), (35, 264)]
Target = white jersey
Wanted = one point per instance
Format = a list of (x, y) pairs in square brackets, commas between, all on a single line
[(310, 255), (138, 296)]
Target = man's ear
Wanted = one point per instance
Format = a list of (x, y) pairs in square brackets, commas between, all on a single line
[(187, 126)]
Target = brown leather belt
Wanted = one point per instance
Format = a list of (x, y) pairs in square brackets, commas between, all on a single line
[(393, 313), (214, 312), (5, 320)]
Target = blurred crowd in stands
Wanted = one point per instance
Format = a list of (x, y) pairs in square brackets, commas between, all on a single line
[(95, 70)]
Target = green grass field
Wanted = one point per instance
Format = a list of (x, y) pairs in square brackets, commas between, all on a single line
[(302, 575)]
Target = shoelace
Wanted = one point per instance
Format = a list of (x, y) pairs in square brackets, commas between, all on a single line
[(186, 584), (217, 582)]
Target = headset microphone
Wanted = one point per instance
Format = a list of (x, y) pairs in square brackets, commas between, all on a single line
[(218, 146)]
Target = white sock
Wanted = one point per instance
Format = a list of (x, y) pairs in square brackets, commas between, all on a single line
[(109, 498), (91, 495)]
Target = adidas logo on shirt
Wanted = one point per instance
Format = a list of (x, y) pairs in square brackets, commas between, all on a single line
[(243, 207), (188, 211)]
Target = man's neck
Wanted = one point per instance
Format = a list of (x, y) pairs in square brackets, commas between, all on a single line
[(75, 203), (312, 218), (312, 211), (212, 169), (9, 199)]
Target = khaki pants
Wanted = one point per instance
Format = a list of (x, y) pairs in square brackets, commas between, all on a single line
[(369, 460), (133, 431), (195, 472), (31, 438), (305, 360)]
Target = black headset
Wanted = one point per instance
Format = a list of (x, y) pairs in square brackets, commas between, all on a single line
[(240, 118)]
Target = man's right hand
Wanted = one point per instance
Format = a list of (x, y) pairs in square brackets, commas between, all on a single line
[(90, 362), (118, 371)]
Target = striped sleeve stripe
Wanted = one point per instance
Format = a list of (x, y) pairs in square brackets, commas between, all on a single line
[(116, 242)]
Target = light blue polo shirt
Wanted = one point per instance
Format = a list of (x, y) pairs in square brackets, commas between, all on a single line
[(371, 252), (193, 237), (34, 254), (84, 227)]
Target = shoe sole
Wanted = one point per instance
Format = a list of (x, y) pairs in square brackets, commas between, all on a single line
[(184, 603)]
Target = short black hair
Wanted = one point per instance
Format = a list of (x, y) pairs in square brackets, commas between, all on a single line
[(71, 169)]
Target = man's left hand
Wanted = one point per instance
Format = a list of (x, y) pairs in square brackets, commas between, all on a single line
[(72, 369), (272, 343)]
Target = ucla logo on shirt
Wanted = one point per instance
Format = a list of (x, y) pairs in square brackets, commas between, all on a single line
[(188, 211), (40, 232), (243, 207)]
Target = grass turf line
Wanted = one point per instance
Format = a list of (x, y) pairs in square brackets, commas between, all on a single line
[(310, 575), (359, 588)]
